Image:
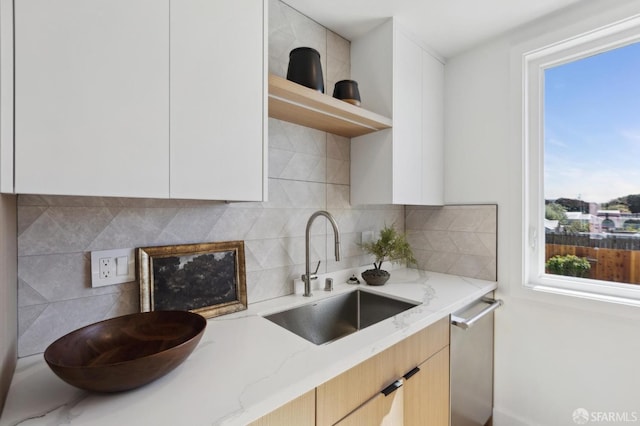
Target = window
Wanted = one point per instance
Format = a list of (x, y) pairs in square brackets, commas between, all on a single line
[(582, 167)]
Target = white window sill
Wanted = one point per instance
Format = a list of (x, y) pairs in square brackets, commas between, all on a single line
[(604, 291)]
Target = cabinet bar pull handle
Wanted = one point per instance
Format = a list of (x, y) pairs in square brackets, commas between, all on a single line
[(411, 373), (392, 388), (465, 323)]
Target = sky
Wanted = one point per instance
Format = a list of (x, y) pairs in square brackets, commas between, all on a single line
[(592, 127)]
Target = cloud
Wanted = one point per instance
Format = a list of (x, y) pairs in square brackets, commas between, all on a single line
[(556, 142), (568, 178), (630, 134)]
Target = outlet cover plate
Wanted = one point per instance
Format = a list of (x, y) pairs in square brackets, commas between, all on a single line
[(121, 269)]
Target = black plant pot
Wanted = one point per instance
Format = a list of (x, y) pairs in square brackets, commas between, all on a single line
[(376, 276), (347, 90), (305, 68)]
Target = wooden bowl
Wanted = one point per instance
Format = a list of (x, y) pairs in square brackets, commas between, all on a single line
[(125, 352)]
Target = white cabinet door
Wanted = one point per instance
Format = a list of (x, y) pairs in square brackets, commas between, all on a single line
[(402, 165), (432, 130), (218, 93), (91, 97), (407, 121)]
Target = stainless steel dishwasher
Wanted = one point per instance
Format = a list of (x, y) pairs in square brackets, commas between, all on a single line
[(472, 363)]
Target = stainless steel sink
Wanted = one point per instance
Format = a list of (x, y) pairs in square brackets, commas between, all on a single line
[(335, 317)]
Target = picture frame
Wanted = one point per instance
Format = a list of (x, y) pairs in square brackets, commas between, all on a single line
[(205, 278)]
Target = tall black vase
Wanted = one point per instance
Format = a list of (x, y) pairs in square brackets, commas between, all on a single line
[(305, 68)]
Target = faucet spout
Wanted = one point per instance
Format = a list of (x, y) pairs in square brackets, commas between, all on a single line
[(307, 277)]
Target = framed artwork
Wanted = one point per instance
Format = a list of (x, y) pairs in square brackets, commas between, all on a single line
[(206, 278)]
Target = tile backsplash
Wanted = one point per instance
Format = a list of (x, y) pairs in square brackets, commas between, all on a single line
[(308, 171), (458, 240)]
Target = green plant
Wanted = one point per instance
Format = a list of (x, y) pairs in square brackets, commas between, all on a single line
[(577, 227), (569, 265), (391, 245)]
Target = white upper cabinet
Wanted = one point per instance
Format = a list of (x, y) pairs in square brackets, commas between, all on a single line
[(91, 97), (218, 99), (141, 98), (398, 78)]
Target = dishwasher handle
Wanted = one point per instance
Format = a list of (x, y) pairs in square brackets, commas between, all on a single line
[(465, 323)]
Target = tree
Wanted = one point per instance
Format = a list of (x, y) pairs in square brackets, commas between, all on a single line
[(633, 201), (555, 211), (577, 226), (571, 204)]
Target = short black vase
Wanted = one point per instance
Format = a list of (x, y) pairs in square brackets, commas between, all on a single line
[(347, 90), (305, 68), (376, 276)]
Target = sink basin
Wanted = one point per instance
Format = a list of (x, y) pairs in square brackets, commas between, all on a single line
[(335, 317)]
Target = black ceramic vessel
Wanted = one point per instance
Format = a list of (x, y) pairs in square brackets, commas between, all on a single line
[(347, 90), (376, 276), (305, 68)]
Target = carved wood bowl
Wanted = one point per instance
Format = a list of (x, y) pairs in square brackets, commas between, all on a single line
[(126, 352)]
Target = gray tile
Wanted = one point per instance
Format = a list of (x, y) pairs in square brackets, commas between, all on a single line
[(296, 194), (64, 230), (128, 303), (134, 227), (27, 315), (269, 283), (233, 224), (441, 262), (269, 224), (279, 161), (61, 318), (190, 225), (469, 265), (468, 243), (28, 215), (441, 241), (304, 167), (28, 296), (338, 60), (61, 277), (338, 197)]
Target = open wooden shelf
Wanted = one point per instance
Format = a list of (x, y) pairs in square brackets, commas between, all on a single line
[(292, 102)]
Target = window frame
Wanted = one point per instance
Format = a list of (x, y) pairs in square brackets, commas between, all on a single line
[(534, 63)]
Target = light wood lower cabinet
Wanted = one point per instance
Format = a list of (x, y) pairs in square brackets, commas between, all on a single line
[(427, 393), (299, 412), (420, 362), (383, 410)]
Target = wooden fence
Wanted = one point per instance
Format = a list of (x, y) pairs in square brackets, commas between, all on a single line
[(612, 259)]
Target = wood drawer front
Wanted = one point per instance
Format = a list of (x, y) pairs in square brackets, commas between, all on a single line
[(299, 412), (344, 393), (427, 393), (418, 347), (380, 410)]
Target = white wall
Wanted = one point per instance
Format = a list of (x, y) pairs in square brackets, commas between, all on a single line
[(8, 290), (554, 354)]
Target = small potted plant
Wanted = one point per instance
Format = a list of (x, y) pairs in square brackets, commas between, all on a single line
[(391, 246)]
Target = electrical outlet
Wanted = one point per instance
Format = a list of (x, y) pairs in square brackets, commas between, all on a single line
[(105, 269), (112, 267)]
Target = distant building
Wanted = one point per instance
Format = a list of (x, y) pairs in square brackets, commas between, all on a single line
[(608, 220), (587, 218)]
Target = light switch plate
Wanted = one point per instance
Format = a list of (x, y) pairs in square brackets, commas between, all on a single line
[(110, 267)]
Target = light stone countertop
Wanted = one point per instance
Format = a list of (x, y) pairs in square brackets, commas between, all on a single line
[(244, 366)]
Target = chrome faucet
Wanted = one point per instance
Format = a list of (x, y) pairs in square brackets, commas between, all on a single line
[(307, 277)]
